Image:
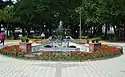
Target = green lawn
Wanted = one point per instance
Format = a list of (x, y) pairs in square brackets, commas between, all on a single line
[(113, 41), (12, 40)]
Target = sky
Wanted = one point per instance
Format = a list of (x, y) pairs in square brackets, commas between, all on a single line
[(12, 0)]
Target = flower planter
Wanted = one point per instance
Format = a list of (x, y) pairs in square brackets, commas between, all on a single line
[(94, 46), (26, 47)]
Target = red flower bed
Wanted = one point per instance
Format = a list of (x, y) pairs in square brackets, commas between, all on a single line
[(106, 48), (12, 50), (104, 51)]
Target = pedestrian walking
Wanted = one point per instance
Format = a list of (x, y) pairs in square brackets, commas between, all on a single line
[(2, 38)]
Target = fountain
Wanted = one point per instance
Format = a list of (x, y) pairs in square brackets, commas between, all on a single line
[(59, 42)]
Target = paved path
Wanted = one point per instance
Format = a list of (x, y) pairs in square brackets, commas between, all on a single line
[(11, 67)]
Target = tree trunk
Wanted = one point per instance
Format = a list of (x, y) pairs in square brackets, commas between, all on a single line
[(106, 28), (41, 30), (13, 33), (50, 32), (23, 32), (7, 30), (99, 30), (94, 31), (0, 27), (28, 31)]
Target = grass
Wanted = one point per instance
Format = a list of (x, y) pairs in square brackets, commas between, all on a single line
[(113, 41), (117, 41), (12, 40)]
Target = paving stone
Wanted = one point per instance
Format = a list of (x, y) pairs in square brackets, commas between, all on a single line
[(11, 67)]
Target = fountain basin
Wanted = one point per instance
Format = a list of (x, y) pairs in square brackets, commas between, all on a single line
[(60, 49), (65, 46)]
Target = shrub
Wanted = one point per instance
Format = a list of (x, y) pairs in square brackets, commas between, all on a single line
[(96, 40), (24, 39), (93, 40), (31, 36), (84, 37), (27, 39)]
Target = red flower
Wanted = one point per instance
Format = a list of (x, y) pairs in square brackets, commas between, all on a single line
[(11, 48)]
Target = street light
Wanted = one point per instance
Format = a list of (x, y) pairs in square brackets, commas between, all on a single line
[(80, 25), (44, 28)]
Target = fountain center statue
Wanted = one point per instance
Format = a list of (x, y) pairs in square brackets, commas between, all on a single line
[(60, 31), (59, 44)]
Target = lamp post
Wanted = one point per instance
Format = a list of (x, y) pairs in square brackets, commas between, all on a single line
[(44, 28), (80, 25), (76, 34)]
